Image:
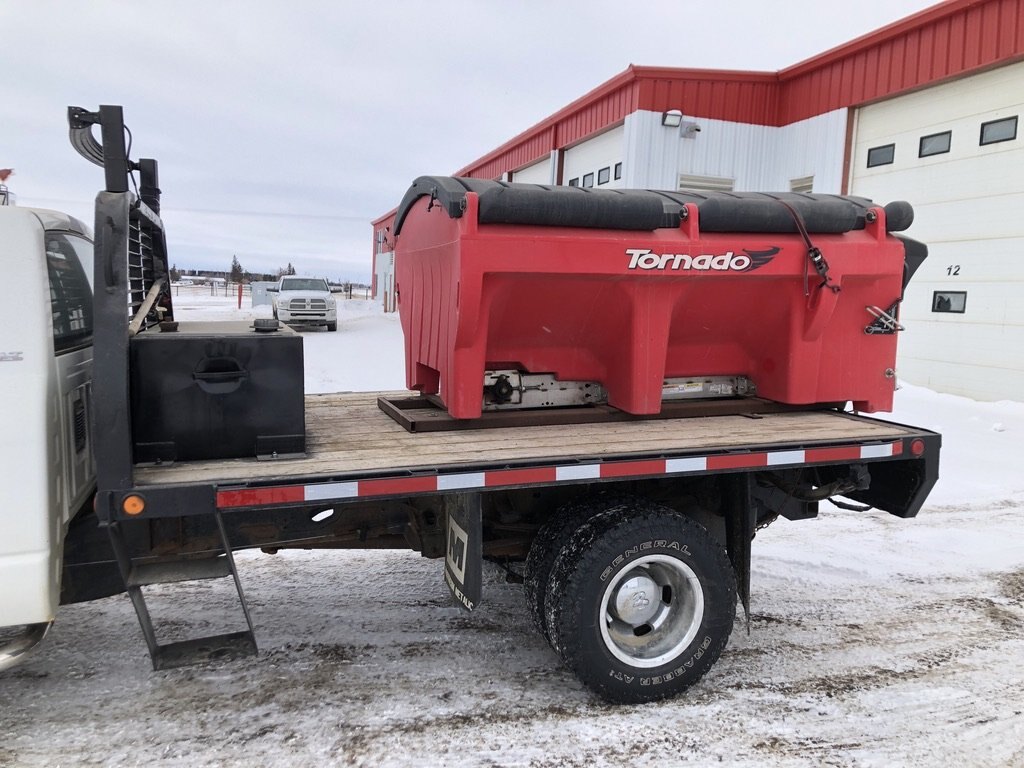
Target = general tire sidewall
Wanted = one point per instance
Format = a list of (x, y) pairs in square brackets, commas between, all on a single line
[(615, 679)]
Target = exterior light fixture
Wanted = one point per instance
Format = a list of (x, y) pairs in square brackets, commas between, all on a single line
[(673, 118)]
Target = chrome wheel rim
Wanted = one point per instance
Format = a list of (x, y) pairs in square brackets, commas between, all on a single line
[(651, 611)]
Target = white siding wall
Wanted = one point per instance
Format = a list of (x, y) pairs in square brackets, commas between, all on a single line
[(758, 158), (812, 147), (386, 280), (651, 153), (590, 156), (969, 209), (736, 151), (542, 172)]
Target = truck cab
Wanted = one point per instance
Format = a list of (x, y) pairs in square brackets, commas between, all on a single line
[(305, 301), (46, 327)]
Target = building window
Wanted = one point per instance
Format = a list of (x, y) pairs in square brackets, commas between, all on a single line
[(802, 184), (588, 180), (995, 131), (883, 155), (574, 182), (935, 144), (949, 301), (604, 175)]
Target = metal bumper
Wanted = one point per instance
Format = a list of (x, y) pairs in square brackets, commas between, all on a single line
[(18, 648), (310, 317)]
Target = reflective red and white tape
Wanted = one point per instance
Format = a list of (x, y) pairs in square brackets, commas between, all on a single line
[(406, 485)]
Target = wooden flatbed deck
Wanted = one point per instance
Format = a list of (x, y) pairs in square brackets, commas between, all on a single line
[(349, 433)]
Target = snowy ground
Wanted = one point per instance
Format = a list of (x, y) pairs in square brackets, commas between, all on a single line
[(874, 641)]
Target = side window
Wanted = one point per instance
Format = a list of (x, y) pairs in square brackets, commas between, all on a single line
[(70, 290), (883, 155), (949, 301), (995, 131), (936, 144)]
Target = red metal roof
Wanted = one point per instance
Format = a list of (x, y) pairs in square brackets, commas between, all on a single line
[(949, 40), (727, 95), (748, 97)]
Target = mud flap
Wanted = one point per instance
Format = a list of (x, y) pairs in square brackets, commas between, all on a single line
[(739, 534), (462, 561)]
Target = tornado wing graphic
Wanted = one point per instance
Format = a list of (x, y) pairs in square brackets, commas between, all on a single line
[(759, 258)]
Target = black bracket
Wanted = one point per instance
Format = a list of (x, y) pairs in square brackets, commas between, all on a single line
[(111, 154), (885, 322)]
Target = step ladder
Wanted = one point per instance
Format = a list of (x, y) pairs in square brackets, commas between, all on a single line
[(196, 650)]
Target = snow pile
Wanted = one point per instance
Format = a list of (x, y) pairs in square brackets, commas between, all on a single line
[(982, 444)]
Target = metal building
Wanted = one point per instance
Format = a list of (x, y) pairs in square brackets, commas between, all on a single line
[(926, 109)]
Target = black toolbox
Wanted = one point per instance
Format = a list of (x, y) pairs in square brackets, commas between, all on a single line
[(217, 390)]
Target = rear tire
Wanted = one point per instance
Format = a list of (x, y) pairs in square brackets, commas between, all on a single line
[(640, 603), (550, 539)]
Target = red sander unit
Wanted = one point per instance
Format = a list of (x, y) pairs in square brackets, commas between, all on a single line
[(519, 295)]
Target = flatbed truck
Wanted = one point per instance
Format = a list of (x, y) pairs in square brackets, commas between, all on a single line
[(632, 535)]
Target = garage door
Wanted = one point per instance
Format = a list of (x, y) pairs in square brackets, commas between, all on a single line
[(956, 152)]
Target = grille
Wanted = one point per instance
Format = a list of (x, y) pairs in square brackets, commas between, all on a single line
[(705, 183), (302, 305), (80, 433)]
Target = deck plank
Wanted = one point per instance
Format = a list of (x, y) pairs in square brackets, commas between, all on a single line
[(348, 433)]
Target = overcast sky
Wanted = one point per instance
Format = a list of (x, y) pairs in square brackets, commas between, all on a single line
[(283, 128)]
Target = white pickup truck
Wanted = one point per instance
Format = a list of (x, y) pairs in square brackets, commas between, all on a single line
[(45, 443), (305, 301)]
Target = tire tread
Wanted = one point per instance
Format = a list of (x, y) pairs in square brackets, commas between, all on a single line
[(585, 554)]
